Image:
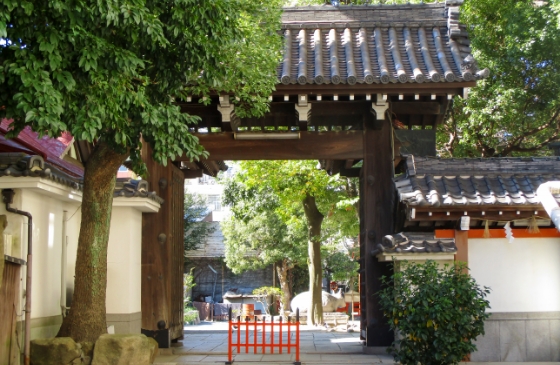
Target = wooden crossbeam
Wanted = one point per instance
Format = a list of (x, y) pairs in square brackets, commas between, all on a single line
[(416, 107), (192, 174), (343, 145)]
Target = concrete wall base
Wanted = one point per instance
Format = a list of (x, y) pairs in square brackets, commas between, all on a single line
[(44, 327), (125, 323), (519, 337)]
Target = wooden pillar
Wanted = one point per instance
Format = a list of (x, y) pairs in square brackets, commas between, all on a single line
[(163, 254), (377, 206), (462, 243)]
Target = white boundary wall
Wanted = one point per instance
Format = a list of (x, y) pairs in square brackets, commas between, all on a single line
[(524, 276), (47, 201)]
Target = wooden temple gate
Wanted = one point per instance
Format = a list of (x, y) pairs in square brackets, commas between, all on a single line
[(355, 84)]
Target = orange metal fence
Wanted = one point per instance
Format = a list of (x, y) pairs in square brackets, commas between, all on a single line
[(262, 337)]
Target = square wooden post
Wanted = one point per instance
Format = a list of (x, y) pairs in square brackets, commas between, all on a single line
[(377, 204), (462, 243), (163, 255)]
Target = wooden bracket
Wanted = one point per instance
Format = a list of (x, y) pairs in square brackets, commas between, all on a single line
[(379, 107), (303, 110), (230, 121)]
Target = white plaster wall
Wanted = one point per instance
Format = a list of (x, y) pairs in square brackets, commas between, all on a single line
[(124, 261), (524, 276), (74, 218), (47, 215)]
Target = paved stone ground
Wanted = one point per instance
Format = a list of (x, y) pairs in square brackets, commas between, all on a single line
[(206, 343)]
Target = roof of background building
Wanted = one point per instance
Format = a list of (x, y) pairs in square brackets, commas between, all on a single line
[(212, 246), (438, 182), (51, 149), (19, 164), (376, 44)]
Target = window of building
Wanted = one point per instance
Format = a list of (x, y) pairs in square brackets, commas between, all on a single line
[(214, 202)]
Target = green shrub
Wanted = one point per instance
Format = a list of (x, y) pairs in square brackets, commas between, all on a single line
[(435, 313), (190, 314)]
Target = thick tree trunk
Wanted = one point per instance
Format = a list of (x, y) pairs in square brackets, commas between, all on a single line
[(314, 221), (282, 269), (87, 318)]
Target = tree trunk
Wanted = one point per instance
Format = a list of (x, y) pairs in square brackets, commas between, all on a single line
[(87, 318), (314, 221), (282, 269)]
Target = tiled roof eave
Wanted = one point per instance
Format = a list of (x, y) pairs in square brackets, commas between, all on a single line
[(130, 188), (463, 184), (376, 45), (361, 24), (23, 165), (411, 243)]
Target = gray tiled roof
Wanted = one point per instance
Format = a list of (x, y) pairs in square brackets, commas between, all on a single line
[(130, 188), (408, 242), (493, 181), (376, 44), (21, 165)]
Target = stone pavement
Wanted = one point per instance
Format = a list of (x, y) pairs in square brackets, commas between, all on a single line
[(206, 344)]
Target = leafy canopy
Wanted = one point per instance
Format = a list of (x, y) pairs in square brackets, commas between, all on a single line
[(438, 313), (516, 111), (112, 70), (292, 181), (341, 266), (255, 236)]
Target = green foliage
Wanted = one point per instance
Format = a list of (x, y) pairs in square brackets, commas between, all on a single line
[(255, 236), (437, 313), (190, 314), (516, 111), (299, 278), (195, 231), (341, 266), (112, 70), (292, 181), (266, 293), (188, 284)]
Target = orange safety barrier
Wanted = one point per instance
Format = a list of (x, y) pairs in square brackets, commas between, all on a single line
[(254, 326)]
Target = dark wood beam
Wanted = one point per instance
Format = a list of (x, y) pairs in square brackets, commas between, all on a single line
[(192, 174), (349, 163), (352, 172), (343, 145), (419, 107)]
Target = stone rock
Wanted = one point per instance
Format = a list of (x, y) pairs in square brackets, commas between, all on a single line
[(54, 351), (154, 349), (122, 350), (87, 348)]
